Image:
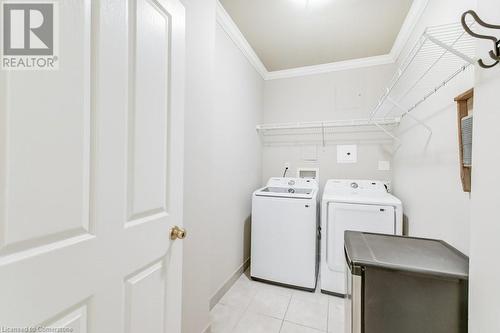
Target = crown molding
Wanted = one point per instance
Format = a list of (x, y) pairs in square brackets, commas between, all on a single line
[(414, 14), (331, 67), (228, 25)]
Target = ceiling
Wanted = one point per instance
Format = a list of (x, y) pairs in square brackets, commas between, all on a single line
[(294, 33)]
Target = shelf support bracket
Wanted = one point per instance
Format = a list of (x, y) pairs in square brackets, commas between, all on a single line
[(407, 113), (449, 48), (395, 138), (323, 133)]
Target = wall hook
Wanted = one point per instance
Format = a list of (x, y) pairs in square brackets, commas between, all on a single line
[(495, 53)]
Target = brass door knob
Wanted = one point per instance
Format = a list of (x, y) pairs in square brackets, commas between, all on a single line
[(177, 233)]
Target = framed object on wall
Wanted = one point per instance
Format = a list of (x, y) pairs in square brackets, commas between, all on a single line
[(465, 103)]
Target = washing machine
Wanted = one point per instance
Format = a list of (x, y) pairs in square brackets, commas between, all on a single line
[(356, 205), (285, 226)]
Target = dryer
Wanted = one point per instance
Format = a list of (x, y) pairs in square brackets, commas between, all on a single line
[(356, 205), (284, 243)]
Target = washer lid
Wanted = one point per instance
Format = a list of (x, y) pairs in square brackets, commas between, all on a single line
[(286, 192)]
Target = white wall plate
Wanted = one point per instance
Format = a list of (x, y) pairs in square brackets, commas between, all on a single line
[(347, 154)]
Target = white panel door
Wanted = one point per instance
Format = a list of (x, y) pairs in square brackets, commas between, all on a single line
[(91, 174)]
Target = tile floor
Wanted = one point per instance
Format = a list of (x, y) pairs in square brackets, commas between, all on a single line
[(254, 307)]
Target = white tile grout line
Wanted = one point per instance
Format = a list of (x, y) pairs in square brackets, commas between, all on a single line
[(302, 325), (286, 311), (246, 310), (328, 316)]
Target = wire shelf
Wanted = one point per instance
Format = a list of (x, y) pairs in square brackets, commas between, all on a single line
[(441, 54), (330, 132)]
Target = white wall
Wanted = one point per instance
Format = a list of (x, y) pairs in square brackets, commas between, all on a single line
[(426, 170), (235, 160), (485, 224), (200, 48), (222, 160), (338, 95)]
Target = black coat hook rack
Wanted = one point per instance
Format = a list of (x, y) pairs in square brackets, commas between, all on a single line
[(495, 52)]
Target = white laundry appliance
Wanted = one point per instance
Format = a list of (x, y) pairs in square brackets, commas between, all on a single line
[(285, 226), (356, 205)]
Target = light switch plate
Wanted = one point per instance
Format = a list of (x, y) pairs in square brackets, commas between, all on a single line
[(347, 154), (384, 165)]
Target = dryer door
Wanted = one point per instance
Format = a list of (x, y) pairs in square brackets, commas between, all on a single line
[(355, 217)]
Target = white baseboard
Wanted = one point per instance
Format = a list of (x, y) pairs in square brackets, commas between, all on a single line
[(207, 329), (229, 283)]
